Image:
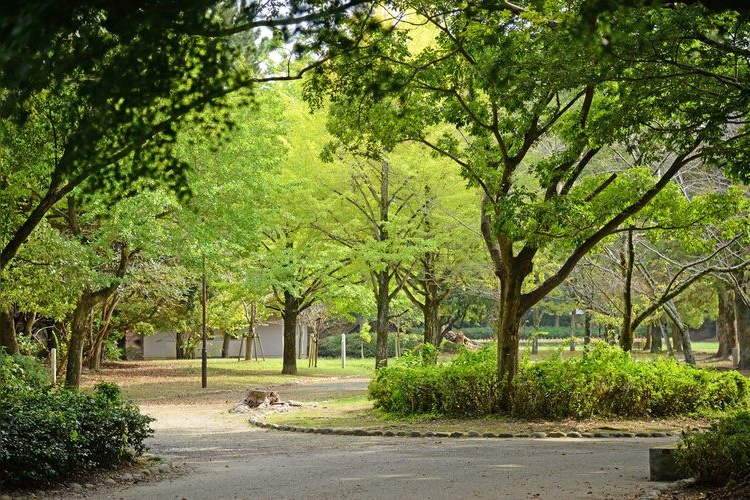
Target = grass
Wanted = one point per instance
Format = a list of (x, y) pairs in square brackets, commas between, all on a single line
[(168, 380)]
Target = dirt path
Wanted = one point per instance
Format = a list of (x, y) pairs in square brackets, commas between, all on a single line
[(225, 458)]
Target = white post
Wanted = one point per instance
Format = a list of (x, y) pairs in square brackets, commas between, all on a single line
[(53, 364), (343, 350)]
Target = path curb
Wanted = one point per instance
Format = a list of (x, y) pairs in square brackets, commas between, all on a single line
[(256, 422)]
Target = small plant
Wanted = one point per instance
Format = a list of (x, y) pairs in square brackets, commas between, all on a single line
[(721, 454)]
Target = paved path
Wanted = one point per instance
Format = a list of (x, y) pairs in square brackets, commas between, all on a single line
[(228, 459)]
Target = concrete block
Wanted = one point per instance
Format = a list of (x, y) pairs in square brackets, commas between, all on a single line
[(662, 464)]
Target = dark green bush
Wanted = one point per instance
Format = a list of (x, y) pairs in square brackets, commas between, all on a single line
[(46, 435), (22, 371), (605, 382), (719, 455)]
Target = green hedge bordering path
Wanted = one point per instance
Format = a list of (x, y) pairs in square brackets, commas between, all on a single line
[(606, 382), (48, 434)]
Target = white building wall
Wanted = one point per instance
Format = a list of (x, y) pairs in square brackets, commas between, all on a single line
[(162, 345)]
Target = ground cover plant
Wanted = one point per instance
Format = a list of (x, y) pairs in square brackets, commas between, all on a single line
[(721, 454), (47, 434), (605, 382)]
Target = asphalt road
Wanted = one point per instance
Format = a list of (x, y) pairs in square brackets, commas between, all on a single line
[(228, 459)]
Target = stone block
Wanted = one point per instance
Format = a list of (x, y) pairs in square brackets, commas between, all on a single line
[(662, 464)]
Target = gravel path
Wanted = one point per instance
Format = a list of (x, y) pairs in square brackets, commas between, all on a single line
[(226, 458)]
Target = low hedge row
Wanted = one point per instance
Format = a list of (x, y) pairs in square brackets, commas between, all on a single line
[(48, 434), (605, 382)]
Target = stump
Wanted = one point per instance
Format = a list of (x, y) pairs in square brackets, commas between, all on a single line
[(256, 398)]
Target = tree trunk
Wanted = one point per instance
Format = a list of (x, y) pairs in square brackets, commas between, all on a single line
[(647, 345), (742, 313), (510, 315), (290, 314), (725, 325), (676, 342), (432, 330), (78, 330), (381, 325), (587, 328), (680, 329), (656, 339), (179, 350), (8, 330), (557, 320), (225, 345), (627, 257)]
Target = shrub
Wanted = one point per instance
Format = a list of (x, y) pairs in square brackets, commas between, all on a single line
[(721, 454), (605, 382), (22, 371), (46, 435)]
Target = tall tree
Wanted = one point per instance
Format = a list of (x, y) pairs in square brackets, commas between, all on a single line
[(511, 77)]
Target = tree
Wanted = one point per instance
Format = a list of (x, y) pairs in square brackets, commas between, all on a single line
[(509, 77), (114, 82)]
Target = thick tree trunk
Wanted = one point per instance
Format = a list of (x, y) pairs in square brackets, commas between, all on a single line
[(510, 315), (742, 313), (225, 345), (8, 330), (381, 326), (725, 325), (432, 330), (178, 343), (290, 314)]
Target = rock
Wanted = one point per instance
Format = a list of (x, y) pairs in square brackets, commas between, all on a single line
[(326, 430), (489, 435), (89, 486), (505, 435), (145, 472), (389, 433), (402, 433), (429, 434), (627, 434), (109, 482), (521, 435), (359, 432), (415, 434), (539, 435), (75, 487), (601, 435), (456, 434), (556, 434), (164, 468), (375, 432), (658, 434), (442, 434), (642, 434), (154, 470), (574, 434), (472, 434), (587, 434)]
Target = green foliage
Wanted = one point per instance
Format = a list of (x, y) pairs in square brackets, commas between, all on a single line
[(606, 382), (22, 371), (467, 386), (721, 454), (47, 435)]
